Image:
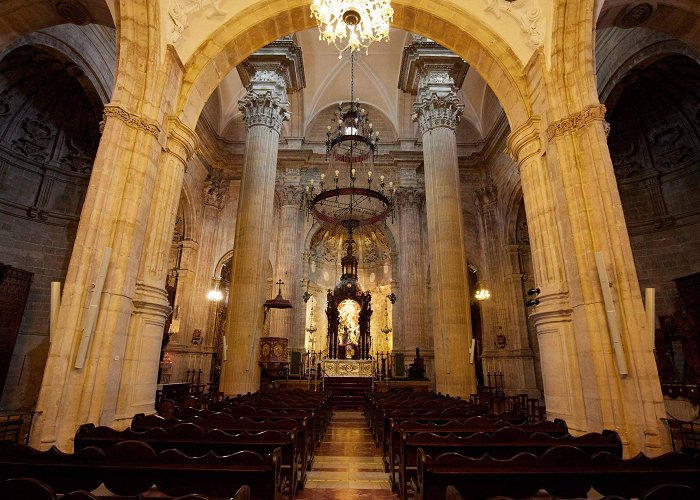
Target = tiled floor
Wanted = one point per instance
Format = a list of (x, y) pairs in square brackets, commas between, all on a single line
[(348, 465)]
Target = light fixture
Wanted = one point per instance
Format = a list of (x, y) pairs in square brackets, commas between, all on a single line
[(351, 143), (352, 24), (215, 295), (481, 293)]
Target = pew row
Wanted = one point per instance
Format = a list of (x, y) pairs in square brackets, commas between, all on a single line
[(562, 471), (132, 468)]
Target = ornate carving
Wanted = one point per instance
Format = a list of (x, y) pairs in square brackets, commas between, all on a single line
[(180, 11), (623, 154), (635, 16), (215, 191), (409, 197), (265, 103), (527, 13), (487, 196), (437, 111), (5, 97), (667, 137), (38, 132), (291, 195), (594, 112), (77, 160), (72, 11), (132, 120)]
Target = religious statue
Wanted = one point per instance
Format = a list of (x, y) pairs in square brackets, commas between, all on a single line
[(416, 370)]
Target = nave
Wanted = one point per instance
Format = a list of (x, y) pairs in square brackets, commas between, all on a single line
[(347, 465)]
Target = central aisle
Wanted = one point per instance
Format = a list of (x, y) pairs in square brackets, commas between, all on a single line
[(348, 465)]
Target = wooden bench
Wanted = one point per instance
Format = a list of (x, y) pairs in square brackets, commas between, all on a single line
[(194, 441), (562, 471), (131, 468), (502, 444), (24, 488), (405, 428)]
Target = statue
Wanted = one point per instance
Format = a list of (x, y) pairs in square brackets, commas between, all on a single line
[(416, 370)]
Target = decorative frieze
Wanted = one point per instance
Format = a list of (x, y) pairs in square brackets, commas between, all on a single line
[(577, 121), (132, 120)]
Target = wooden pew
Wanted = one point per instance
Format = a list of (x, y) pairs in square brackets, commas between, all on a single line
[(502, 444), (25, 488), (131, 468), (194, 441), (207, 420), (563, 471), (472, 425)]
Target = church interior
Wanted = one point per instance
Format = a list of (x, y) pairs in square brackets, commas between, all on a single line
[(372, 245)]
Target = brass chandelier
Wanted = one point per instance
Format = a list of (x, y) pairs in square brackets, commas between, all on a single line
[(354, 197)]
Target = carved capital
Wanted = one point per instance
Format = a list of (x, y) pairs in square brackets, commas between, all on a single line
[(265, 103), (215, 192), (132, 120), (409, 197), (524, 142), (182, 140), (291, 196), (437, 111), (577, 121), (487, 196)]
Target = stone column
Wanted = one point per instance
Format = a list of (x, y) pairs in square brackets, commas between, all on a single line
[(115, 214), (265, 108), (140, 373), (574, 210), (411, 279), (437, 111), (288, 258)]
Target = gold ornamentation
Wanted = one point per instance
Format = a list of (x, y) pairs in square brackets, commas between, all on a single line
[(594, 112)]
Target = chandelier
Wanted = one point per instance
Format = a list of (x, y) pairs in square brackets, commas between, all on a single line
[(482, 293), (352, 24), (354, 198)]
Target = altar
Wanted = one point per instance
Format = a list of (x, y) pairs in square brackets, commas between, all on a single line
[(347, 367)]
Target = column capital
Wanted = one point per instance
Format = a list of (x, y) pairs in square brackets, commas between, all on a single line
[(409, 197), (266, 102), (524, 142), (214, 192), (437, 104), (290, 195)]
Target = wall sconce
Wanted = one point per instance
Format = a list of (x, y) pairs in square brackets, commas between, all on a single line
[(533, 292), (481, 293), (215, 295)]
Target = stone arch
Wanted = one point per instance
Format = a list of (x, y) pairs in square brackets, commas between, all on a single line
[(189, 213), (608, 88), (98, 79), (457, 30)]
